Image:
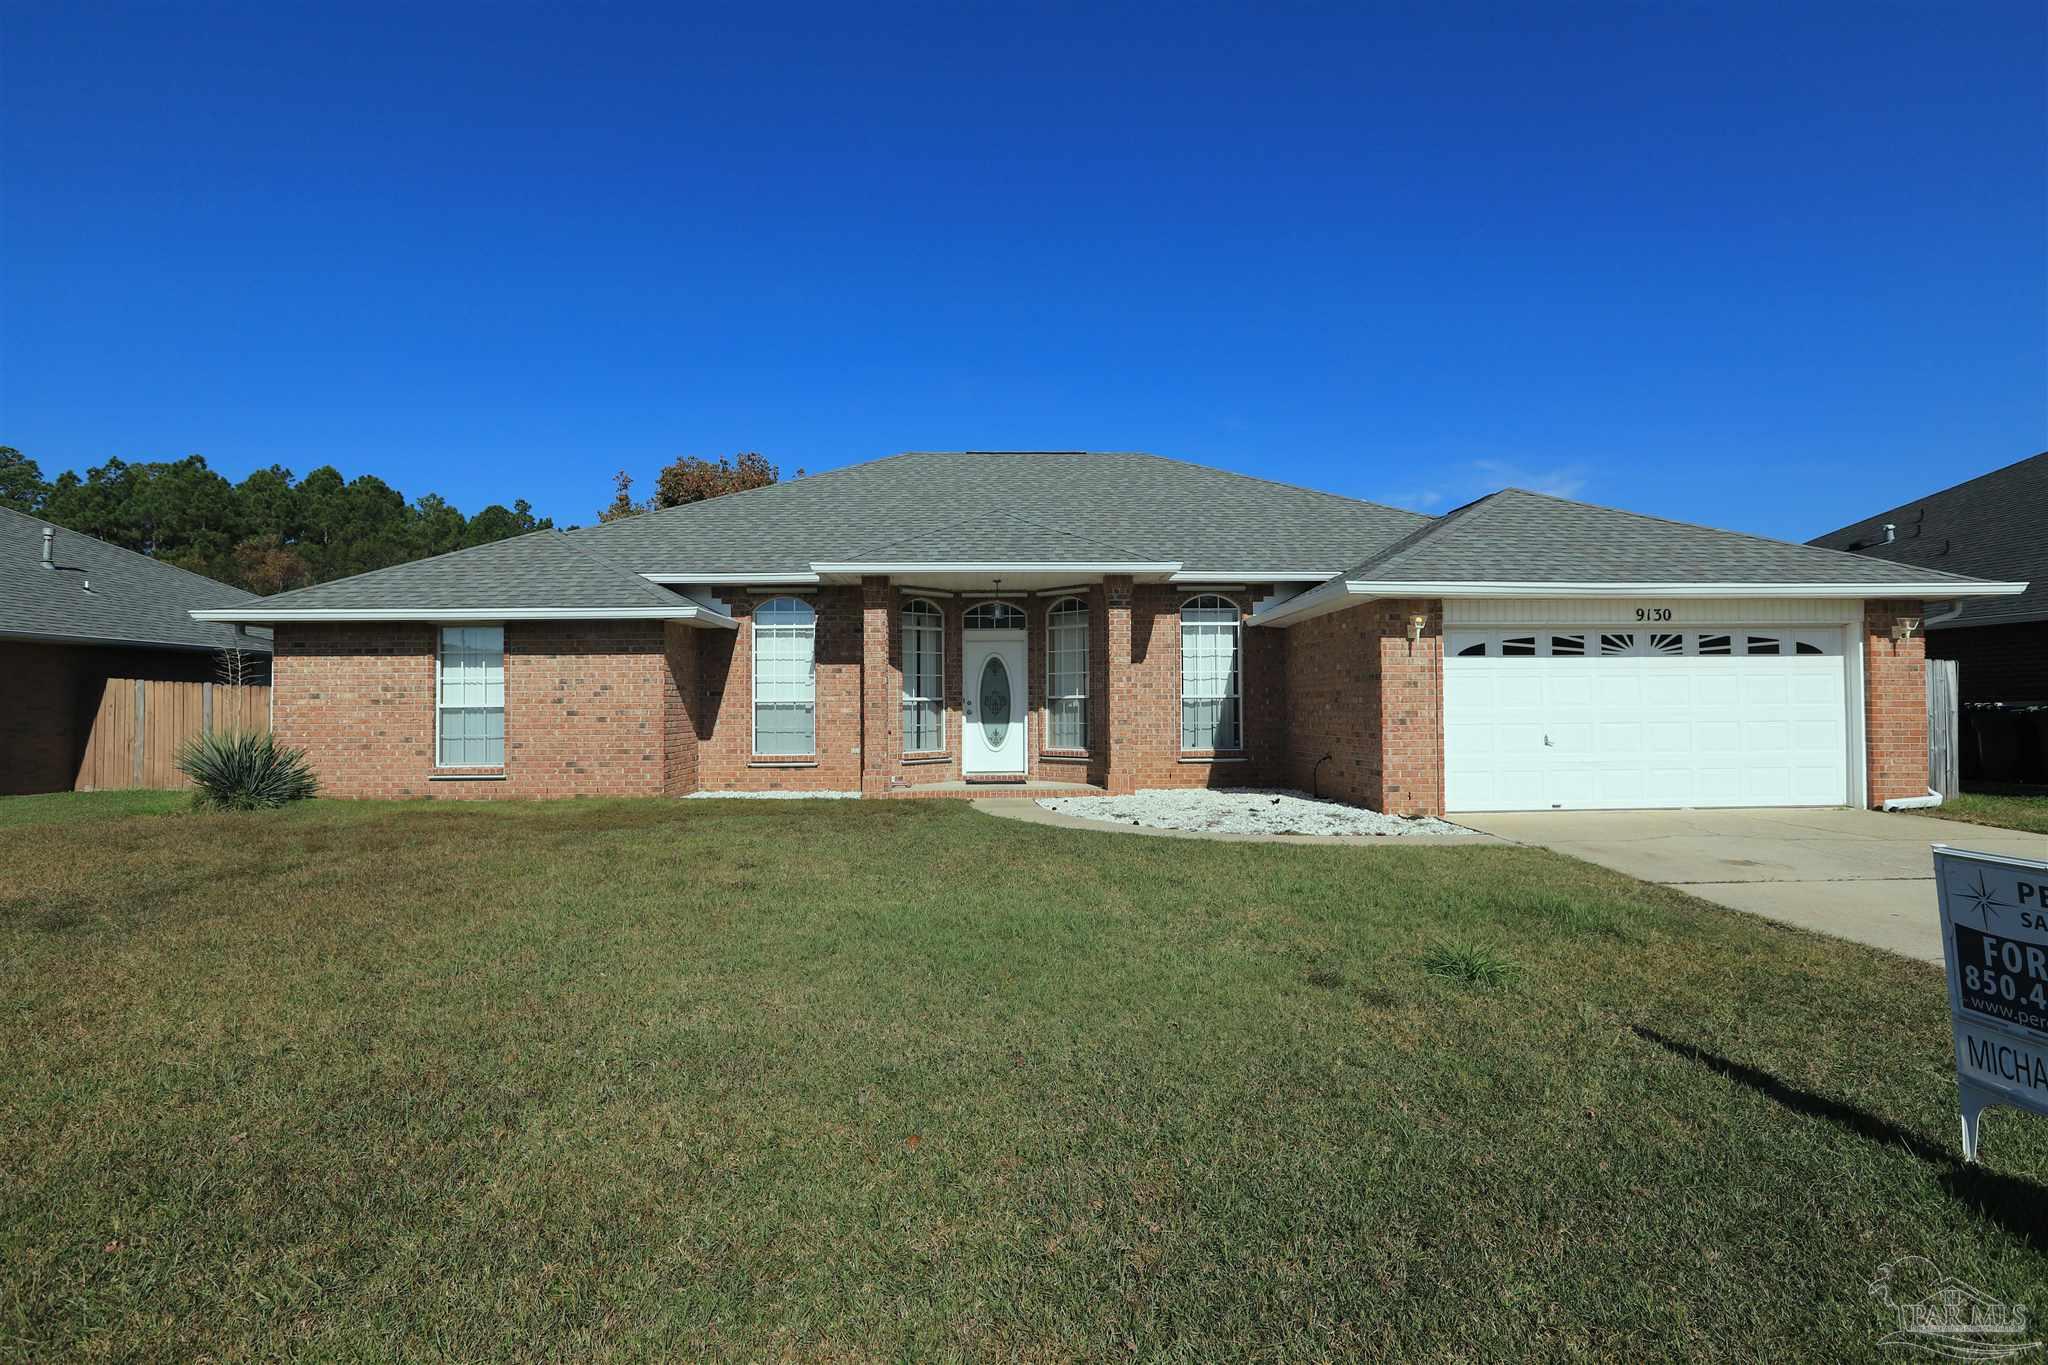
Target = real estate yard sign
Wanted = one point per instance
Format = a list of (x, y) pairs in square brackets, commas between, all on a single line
[(1994, 935)]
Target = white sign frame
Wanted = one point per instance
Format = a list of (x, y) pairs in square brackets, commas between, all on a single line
[(1994, 944)]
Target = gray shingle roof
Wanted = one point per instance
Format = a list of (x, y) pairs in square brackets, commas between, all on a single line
[(135, 600), (1151, 509), (542, 569), (1515, 536), (1987, 527)]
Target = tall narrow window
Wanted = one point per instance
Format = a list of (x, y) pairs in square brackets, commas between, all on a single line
[(1208, 674), (785, 678), (924, 652), (1066, 673), (470, 697)]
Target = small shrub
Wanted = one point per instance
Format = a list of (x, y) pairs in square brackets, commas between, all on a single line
[(1470, 963), (245, 772)]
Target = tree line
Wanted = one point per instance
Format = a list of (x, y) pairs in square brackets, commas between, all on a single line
[(271, 532), (274, 531)]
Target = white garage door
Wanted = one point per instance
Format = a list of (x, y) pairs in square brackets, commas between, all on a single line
[(1576, 719)]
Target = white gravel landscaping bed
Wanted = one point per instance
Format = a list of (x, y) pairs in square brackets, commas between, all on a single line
[(1247, 811), (775, 796)]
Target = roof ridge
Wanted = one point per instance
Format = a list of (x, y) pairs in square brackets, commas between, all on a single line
[(652, 590), (1427, 531), (135, 554), (1717, 530)]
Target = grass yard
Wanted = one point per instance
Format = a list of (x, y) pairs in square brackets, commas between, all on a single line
[(2028, 813), (895, 1080)]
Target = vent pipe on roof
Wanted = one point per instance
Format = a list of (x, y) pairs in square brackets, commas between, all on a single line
[(1891, 532), (49, 557)]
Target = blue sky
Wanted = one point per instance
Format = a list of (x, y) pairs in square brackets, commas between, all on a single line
[(1763, 266)]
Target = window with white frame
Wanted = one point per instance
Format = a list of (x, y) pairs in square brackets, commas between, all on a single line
[(1066, 673), (924, 653), (1208, 674), (469, 697), (785, 678)]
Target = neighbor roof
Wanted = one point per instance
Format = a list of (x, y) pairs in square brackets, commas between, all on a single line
[(1989, 527), (135, 600), (540, 574), (1040, 506)]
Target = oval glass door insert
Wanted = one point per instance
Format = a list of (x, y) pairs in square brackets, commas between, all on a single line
[(995, 702)]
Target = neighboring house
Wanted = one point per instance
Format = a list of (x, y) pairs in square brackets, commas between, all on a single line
[(1988, 527), (74, 612), (926, 623)]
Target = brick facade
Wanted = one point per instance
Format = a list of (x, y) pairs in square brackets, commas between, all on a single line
[(49, 694), (1345, 703), (1365, 706), (1895, 701), (587, 709)]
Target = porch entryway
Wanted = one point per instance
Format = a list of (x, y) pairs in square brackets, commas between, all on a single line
[(994, 698)]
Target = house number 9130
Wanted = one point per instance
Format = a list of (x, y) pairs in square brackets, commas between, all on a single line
[(1653, 613)]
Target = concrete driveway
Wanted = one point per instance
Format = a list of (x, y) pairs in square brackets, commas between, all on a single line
[(1856, 874)]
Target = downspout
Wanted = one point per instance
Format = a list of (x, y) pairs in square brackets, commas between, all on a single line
[(1927, 802)]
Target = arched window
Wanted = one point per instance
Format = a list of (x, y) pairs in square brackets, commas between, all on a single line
[(1066, 673), (1209, 703), (924, 653), (995, 616), (785, 678)]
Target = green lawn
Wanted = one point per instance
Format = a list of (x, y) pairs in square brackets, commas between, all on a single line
[(896, 1080), (2028, 813)]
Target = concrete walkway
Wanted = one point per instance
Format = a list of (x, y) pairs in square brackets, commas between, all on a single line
[(1031, 813), (1856, 874)]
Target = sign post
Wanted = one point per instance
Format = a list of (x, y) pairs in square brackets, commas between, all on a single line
[(1994, 938)]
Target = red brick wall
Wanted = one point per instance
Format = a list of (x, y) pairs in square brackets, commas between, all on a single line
[(682, 705), (49, 694), (1895, 720), (1361, 692), (1996, 663), (725, 753), (587, 709)]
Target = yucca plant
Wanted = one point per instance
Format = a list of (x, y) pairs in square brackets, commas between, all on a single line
[(238, 771)]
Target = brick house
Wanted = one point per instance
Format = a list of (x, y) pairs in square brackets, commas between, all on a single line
[(74, 612), (1987, 527), (931, 623)]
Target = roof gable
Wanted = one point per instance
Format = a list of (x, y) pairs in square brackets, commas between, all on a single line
[(1986, 527), (135, 600)]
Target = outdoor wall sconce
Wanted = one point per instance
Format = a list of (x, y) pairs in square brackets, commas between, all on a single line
[(1903, 628), (1418, 621)]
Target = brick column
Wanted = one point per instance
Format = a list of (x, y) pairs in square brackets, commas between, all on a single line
[(1120, 743), (1895, 704), (1411, 721), (881, 693)]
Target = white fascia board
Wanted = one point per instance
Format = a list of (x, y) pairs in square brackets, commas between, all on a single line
[(1257, 576), (1001, 566), (1334, 595), (1685, 589), (692, 615), (715, 580)]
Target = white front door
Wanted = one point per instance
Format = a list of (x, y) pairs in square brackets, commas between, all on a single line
[(1571, 718), (994, 696)]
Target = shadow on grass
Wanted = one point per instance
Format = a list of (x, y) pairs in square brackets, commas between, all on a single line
[(2019, 1206)]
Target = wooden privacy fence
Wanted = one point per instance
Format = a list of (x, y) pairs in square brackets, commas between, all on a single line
[(140, 725), (1944, 728)]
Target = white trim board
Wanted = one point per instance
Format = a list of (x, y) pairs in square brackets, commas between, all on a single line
[(685, 613)]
